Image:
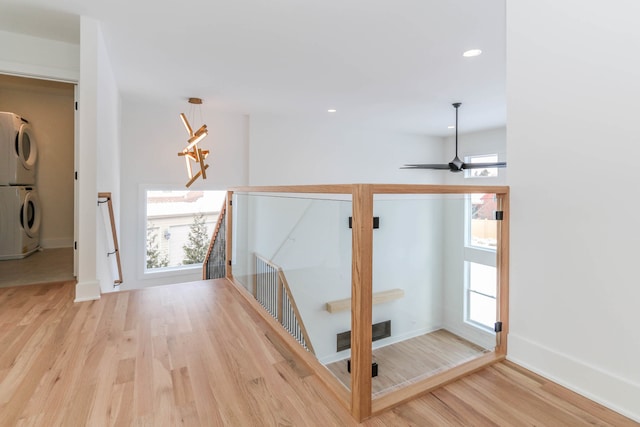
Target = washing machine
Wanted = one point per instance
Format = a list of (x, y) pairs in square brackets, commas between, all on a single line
[(18, 151), (20, 217)]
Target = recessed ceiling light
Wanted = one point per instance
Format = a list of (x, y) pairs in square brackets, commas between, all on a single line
[(451, 127), (331, 110), (472, 53)]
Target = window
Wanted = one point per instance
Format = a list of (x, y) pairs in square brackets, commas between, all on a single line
[(480, 260), (483, 232), (481, 294), (481, 173), (179, 225)]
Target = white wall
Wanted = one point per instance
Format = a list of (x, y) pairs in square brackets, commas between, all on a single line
[(408, 254), (152, 134), (328, 151), (36, 57), (49, 108), (108, 161), (573, 132), (88, 286)]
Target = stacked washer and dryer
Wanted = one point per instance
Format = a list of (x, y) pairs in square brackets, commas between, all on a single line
[(20, 213)]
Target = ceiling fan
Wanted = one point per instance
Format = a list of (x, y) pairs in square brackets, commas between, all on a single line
[(456, 165)]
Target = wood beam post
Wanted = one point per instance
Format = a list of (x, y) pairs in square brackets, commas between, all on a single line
[(502, 264), (361, 285)]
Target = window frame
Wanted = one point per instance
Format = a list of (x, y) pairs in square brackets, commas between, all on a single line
[(468, 294), (478, 255), (469, 159), (161, 272)]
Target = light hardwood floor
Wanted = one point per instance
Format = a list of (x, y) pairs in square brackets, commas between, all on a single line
[(195, 354), (45, 266), (414, 359)]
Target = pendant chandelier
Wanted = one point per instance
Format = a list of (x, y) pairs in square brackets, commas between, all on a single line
[(192, 152)]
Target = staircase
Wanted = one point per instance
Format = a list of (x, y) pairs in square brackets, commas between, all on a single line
[(270, 287)]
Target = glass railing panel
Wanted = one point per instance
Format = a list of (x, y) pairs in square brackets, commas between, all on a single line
[(302, 243), (429, 315)]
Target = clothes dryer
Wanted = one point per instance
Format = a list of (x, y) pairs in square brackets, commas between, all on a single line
[(18, 151), (20, 217)]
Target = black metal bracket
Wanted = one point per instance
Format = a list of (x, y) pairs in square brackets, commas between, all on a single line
[(374, 368), (376, 222), (499, 215), (497, 327)]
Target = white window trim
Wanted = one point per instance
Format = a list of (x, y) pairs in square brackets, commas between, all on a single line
[(185, 271), (478, 255), (467, 172), (467, 299)]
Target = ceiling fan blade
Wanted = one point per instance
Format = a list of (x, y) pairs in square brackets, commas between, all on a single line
[(427, 166), (484, 165), (456, 165)]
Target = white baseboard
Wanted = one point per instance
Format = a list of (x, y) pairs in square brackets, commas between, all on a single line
[(612, 391), (471, 333), (336, 357), (87, 291), (56, 243)]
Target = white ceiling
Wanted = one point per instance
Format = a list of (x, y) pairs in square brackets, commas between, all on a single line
[(395, 65)]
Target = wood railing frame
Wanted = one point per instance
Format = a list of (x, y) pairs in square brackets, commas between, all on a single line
[(359, 400)]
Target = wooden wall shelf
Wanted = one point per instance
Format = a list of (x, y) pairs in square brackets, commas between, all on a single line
[(377, 298)]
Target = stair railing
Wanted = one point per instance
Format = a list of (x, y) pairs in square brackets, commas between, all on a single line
[(214, 263), (272, 291)]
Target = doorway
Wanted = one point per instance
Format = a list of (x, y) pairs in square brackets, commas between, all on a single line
[(49, 108)]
